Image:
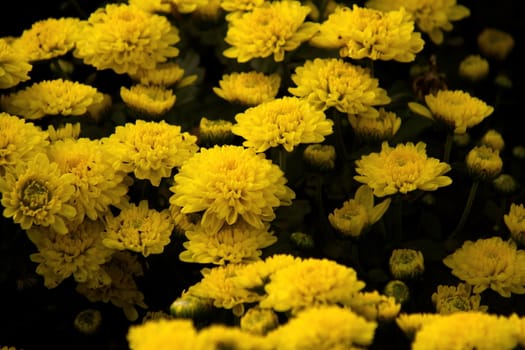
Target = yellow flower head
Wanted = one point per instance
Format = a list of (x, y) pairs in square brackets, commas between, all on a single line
[(402, 169), (332, 82), (49, 38), (484, 163), (248, 88), (490, 263), (473, 68), (164, 74), (228, 183), (406, 263), (431, 16), (324, 328), (411, 323), (19, 141), (14, 67), (256, 274), (152, 100), (51, 97), (368, 33), (162, 334), (495, 43), (287, 121), (468, 330), (515, 222), (80, 254), (359, 213), (36, 193), (138, 228), (240, 6), (374, 306), (311, 282), (449, 299), (398, 290), (67, 131), (209, 11), (215, 132), (379, 129), (97, 184), (125, 39), (269, 29), (220, 336), (320, 156), (493, 139), (237, 243), (259, 321), (150, 149)]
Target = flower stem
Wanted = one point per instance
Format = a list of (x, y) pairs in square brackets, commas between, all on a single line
[(466, 210), (448, 147), (339, 140)]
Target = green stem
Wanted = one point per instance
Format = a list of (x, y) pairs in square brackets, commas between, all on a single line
[(448, 147), (466, 210), (339, 140), (397, 219), (282, 159)]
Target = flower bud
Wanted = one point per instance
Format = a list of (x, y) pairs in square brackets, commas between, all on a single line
[(215, 132), (259, 321), (493, 139), (505, 184), (320, 157), (406, 263), (88, 321), (189, 306), (515, 222), (398, 290), (484, 163), (376, 130), (302, 240), (473, 68)]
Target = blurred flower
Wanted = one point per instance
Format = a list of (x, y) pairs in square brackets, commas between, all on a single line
[(402, 169), (220, 337), (503, 80), (324, 328), (14, 67), (411, 323), (493, 139), (152, 100), (269, 29), (320, 156), (139, 229), (462, 140), (455, 108), (490, 263), (236, 243), (150, 149), (229, 183), (88, 321), (505, 183), (311, 282), (240, 6), (20, 141), (374, 306), (484, 163), (215, 132), (36, 193), (519, 152), (406, 263), (122, 291), (495, 43), (449, 299), (248, 88), (65, 131), (359, 213), (49, 38), (168, 6), (162, 334), (315, 13), (209, 11), (332, 82), (303, 241), (51, 97), (125, 39), (190, 306), (515, 222), (165, 74), (287, 121), (467, 330), (259, 321), (98, 110), (368, 33), (473, 68), (398, 290), (97, 184), (379, 129), (80, 254), (431, 17)]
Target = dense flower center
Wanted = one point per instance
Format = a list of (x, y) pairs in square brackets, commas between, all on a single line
[(35, 195)]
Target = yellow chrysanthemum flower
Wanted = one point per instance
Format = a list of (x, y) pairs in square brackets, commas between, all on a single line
[(228, 183), (473, 68), (332, 82), (97, 184), (374, 306), (402, 169), (287, 121), (269, 29), (379, 129), (320, 156), (490, 263), (515, 222), (162, 334), (240, 5), (14, 67), (237, 243), (219, 336), (19, 141), (449, 299), (432, 17), (411, 323), (215, 132), (256, 274), (455, 108), (324, 328), (493, 139), (495, 43), (79, 254), (139, 229), (151, 150), (122, 291), (248, 88), (49, 38), (164, 74), (368, 33), (359, 213), (406, 263), (125, 39), (468, 330), (311, 282), (51, 97), (484, 163), (152, 100), (36, 193), (65, 131), (210, 11)]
